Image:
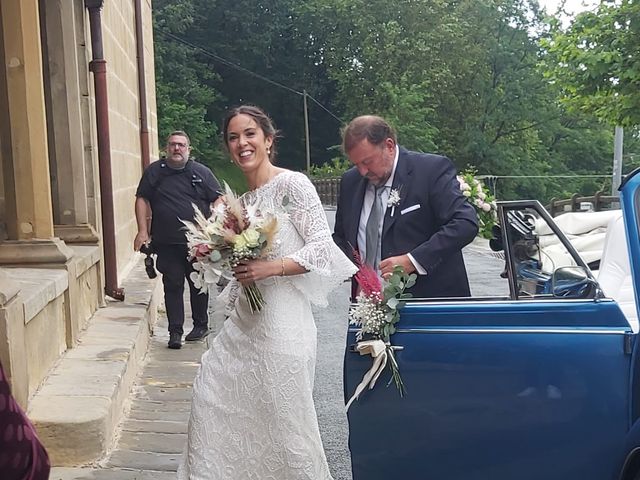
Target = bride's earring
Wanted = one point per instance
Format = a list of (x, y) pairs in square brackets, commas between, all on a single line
[(269, 151)]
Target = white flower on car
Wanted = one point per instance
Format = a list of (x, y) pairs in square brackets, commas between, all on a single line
[(481, 199)]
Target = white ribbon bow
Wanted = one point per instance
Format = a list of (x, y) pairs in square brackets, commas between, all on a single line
[(378, 351)]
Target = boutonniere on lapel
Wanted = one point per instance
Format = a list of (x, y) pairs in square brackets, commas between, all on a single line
[(394, 199)]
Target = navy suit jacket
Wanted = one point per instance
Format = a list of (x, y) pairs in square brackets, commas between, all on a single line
[(432, 222)]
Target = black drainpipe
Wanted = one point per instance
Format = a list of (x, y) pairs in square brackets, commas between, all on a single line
[(98, 66), (142, 88)]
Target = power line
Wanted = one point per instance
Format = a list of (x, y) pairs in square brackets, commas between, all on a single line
[(235, 66), (325, 108), (229, 63)]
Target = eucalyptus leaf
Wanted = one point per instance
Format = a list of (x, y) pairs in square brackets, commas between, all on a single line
[(389, 291)]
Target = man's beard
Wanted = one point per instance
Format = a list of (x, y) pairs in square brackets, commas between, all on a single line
[(381, 180)]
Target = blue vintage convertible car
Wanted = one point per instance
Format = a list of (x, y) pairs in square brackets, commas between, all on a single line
[(539, 383)]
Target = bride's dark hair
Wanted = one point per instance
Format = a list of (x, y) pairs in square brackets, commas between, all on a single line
[(262, 119)]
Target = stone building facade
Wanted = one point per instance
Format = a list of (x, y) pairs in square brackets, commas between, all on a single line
[(77, 125)]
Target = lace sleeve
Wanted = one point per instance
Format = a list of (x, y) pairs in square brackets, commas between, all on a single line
[(327, 266)]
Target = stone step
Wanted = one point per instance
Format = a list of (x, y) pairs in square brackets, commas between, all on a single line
[(113, 474), (83, 399)]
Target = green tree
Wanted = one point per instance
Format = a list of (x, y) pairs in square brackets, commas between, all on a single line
[(187, 88), (383, 58), (184, 87), (262, 59), (459, 78), (595, 62)]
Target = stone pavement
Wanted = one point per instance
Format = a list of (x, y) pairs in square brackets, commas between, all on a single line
[(484, 268)]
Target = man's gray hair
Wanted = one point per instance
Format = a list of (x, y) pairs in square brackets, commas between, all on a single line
[(366, 127), (179, 133)]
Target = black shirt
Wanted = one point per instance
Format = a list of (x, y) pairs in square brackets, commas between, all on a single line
[(171, 192)]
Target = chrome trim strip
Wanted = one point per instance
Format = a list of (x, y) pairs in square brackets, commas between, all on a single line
[(588, 331), (483, 301)]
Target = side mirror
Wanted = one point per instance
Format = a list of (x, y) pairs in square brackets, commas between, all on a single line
[(573, 282)]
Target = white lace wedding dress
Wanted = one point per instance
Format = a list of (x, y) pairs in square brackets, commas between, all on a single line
[(252, 414)]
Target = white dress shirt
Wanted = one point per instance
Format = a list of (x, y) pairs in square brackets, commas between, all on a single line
[(367, 204)]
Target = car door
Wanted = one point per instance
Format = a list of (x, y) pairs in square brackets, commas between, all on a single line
[(525, 385)]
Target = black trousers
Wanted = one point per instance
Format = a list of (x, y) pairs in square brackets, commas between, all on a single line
[(175, 268)]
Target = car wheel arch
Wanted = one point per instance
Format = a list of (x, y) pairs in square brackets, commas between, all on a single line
[(631, 466)]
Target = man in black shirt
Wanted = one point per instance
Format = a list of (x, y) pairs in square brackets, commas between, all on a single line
[(165, 195)]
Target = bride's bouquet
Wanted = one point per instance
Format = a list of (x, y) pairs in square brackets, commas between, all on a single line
[(376, 312), (233, 234)]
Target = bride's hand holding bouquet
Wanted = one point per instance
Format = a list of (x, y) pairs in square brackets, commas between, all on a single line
[(250, 271), (232, 241)]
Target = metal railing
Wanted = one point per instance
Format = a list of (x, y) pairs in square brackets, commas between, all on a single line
[(577, 203), (328, 190)]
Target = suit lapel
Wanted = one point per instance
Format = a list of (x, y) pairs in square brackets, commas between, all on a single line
[(401, 184), (356, 210)]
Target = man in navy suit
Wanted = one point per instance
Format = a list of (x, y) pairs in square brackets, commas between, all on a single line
[(425, 220)]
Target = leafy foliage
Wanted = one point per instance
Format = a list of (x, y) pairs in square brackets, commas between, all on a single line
[(595, 62), (490, 83), (336, 168), (185, 87)]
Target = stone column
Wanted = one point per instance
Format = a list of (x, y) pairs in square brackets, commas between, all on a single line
[(28, 160), (25, 156), (64, 121)]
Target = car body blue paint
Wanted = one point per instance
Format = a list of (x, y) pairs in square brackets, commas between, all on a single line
[(504, 389)]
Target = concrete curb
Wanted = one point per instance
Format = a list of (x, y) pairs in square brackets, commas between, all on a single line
[(81, 402)]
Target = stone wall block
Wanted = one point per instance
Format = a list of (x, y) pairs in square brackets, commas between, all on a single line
[(13, 348)]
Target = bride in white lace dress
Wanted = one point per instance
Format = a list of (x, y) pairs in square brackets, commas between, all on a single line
[(252, 414)]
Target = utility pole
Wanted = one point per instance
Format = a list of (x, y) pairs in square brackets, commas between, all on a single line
[(617, 162), (306, 130)]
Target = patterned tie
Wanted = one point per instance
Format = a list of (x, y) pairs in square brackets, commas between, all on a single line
[(373, 228)]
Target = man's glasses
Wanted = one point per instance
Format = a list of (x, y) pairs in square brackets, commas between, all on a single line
[(177, 144)]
